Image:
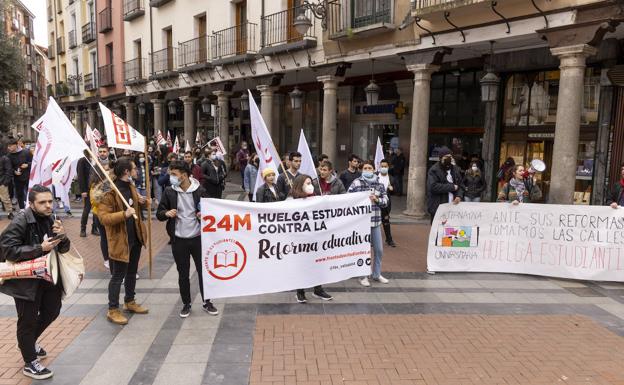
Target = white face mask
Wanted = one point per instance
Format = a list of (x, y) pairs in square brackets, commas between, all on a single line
[(475, 168), (308, 189)]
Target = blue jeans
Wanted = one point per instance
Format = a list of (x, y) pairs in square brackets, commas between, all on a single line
[(377, 244)]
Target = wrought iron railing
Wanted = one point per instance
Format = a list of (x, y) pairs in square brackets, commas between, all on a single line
[(61, 89), (105, 20), (193, 52), (60, 45), (88, 32), (278, 28), (133, 9), (134, 70), (74, 87), (357, 14), (163, 61), (106, 75), (237, 40), (72, 39), (89, 82)]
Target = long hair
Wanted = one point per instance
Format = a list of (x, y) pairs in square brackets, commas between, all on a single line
[(297, 188)]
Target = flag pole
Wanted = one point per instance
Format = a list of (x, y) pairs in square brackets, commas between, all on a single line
[(148, 188), (105, 173)]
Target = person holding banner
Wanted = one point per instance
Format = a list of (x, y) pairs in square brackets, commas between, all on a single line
[(180, 208), (126, 236), (519, 189), (32, 234), (269, 192), (328, 183), (284, 180), (379, 199), (352, 172), (444, 183), (302, 188), (616, 195)]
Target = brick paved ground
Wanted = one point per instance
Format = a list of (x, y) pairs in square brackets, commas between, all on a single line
[(54, 340), (434, 349)]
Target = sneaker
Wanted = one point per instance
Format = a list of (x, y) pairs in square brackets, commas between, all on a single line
[(137, 276), (83, 234), (209, 308), (301, 298), (133, 307), (37, 371), (107, 264), (364, 282), (115, 316), (95, 231), (391, 243), (381, 279), (69, 214), (41, 353), (322, 294), (186, 311)]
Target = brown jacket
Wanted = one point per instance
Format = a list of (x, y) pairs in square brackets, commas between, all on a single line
[(111, 214)]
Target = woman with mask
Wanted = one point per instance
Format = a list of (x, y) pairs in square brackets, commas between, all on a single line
[(303, 188), (369, 182), (268, 192), (250, 175), (473, 183), (142, 173), (519, 189)]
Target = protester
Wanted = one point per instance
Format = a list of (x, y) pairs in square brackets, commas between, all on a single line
[(21, 160), (473, 183), (140, 182), (126, 235), (213, 176), (302, 188), (196, 171), (444, 183), (242, 157), (6, 180), (321, 158), (616, 197), (505, 172), (32, 234), (250, 175), (284, 165), (328, 183), (369, 182), (157, 160), (397, 162), (269, 192), (163, 178), (351, 173), (285, 180), (98, 188), (384, 179), (519, 189), (83, 175), (180, 208)]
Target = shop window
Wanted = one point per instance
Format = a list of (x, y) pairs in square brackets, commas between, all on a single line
[(456, 100)]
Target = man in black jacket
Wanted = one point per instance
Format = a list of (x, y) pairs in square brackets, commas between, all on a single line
[(179, 206), (213, 175), (285, 180), (21, 160), (352, 172), (6, 179), (397, 162), (444, 183), (38, 302)]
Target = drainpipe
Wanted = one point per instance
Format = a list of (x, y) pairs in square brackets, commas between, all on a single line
[(262, 32), (56, 54)]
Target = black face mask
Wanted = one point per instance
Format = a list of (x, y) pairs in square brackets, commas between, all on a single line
[(446, 164)]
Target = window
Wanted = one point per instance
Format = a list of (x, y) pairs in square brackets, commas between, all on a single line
[(456, 100)]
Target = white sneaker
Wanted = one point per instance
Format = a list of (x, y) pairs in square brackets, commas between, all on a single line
[(381, 279), (107, 264), (364, 282)]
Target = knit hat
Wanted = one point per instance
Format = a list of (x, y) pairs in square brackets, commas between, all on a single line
[(267, 171), (443, 152)]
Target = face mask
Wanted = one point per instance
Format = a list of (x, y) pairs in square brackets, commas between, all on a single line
[(213, 157), (446, 163), (142, 160), (368, 174), (308, 189), (174, 180), (475, 168), (383, 170)]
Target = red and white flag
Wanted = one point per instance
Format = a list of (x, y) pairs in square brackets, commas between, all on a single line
[(160, 140), (94, 138), (187, 148), (176, 146), (169, 142), (120, 134), (269, 158)]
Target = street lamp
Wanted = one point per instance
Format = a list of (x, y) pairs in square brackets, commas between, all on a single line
[(244, 102), (372, 89), (489, 87), (171, 107), (303, 23), (296, 97), (205, 105), (141, 109)]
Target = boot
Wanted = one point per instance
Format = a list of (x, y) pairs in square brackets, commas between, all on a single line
[(83, 232), (115, 316), (389, 241), (133, 307), (95, 231)]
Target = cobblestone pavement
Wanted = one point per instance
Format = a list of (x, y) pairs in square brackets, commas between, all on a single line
[(453, 328)]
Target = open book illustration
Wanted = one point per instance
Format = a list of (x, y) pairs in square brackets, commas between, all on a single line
[(225, 259)]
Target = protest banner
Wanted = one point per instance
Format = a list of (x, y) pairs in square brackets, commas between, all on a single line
[(565, 241), (250, 248)]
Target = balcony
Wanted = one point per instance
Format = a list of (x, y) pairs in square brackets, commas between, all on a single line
[(60, 45), (51, 52), (234, 45), (74, 87), (193, 55), (106, 76), (72, 39), (163, 64), (133, 9), (279, 35), (61, 89), (158, 3), (88, 33), (105, 19), (89, 82), (50, 13), (134, 71), (361, 18)]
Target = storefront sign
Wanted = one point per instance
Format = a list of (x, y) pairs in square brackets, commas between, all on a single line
[(398, 109), (566, 241), (250, 248), (541, 135)]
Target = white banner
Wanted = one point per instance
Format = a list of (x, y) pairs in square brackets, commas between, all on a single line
[(307, 163), (566, 241), (120, 134), (251, 248)]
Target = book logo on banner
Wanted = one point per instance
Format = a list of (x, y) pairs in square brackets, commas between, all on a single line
[(225, 259), (122, 134)]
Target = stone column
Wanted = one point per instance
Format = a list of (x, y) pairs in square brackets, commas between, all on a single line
[(330, 107), (568, 121), (488, 150), (159, 105), (417, 178), (141, 126), (92, 116), (131, 113), (189, 118), (223, 98), (79, 123), (266, 109)]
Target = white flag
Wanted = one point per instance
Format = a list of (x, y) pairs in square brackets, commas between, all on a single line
[(91, 139), (63, 186), (307, 163), (160, 140), (187, 148), (379, 154), (198, 139), (120, 134), (176, 146), (267, 154), (38, 173)]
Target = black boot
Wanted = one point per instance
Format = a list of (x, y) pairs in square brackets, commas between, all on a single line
[(83, 232), (388, 232), (95, 231)]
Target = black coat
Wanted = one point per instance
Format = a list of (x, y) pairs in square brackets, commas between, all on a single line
[(264, 194), (18, 158), (213, 180), (21, 241), (473, 185), (83, 174), (438, 187), (398, 164), (6, 171), (169, 201)]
